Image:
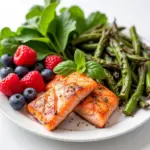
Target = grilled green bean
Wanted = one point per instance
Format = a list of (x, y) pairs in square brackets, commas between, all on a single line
[(135, 40), (102, 43), (110, 81), (125, 71), (89, 46), (132, 104), (137, 59), (86, 37)]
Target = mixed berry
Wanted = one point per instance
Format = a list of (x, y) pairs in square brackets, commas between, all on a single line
[(23, 77)]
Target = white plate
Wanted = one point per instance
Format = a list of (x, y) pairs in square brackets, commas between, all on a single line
[(75, 129)]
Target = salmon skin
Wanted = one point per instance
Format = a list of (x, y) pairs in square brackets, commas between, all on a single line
[(53, 106), (98, 106)]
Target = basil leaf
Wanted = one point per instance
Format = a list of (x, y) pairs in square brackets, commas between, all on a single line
[(36, 10), (79, 58), (6, 32), (81, 68), (47, 17), (95, 70), (65, 68), (61, 28), (78, 15), (95, 19)]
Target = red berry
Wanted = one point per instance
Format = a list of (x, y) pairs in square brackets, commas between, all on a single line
[(25, 56), (11, 85), (51, 61), (33, 80)]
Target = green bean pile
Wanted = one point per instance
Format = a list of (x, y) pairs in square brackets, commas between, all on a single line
[(125, 59)]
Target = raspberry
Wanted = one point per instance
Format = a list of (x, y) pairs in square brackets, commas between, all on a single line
[(11, 85), (25, 56), (51, 61), (33, 80)]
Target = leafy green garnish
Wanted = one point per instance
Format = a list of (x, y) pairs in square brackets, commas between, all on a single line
[(48, 2), (35, 10), (6, 32), (91, 68), (95, 19), (79, 59), (65, 68), (95, 70), (47, 17)]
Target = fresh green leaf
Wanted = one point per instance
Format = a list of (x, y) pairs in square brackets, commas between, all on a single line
[(41, 48), (64, 25), (95, 19), (48, 2), (27, 35), (62, 9), (81, 68), (6, 32), (65, 68), (79, 58), (47, 17), (95, 70), (9, 45), (78, 15), (32, 23), (36, 10)]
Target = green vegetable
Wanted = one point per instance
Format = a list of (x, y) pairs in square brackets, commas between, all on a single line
[(95, 19), (79, 59), (35, 10), (143, 104), (47, 17), (110, 81), (65, 68), (135, 40), (133, 101), (6, 33), (48, 2), (89, 46), (102, 43), (78, 15), (95, 70), (62, 27), (125, 71)]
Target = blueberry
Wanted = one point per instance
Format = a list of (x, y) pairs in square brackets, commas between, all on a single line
[(30, 94), (17, 101), (5, 71), (21, 71), (47, 74), (6, 60), (39, 67)]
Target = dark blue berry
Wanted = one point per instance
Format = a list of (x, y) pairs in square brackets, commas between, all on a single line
[(21, 71), (6, 60), (47, 74), (5, 71), (39, 67), (30, 94), (17, 101)]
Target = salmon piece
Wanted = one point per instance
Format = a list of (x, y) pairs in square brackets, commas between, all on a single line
[(53, 106), (98, 106), (52, 83)]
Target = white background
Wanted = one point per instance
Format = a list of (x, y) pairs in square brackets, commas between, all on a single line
[(127, 12)]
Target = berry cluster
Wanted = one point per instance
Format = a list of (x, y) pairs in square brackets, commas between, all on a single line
[(23, 77)]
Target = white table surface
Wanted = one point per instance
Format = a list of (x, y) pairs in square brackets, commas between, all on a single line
[(127, 12)]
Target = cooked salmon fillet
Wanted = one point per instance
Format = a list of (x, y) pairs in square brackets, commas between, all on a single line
[(53, 106), (52, 83), (98, 106)]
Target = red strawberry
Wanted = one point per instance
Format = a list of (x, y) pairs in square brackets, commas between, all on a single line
[(11, 85), (25, 56), (51, 61), (33, 80)]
